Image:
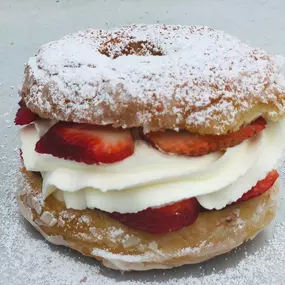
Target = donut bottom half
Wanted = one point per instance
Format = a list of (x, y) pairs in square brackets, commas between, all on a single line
[(94, 233)]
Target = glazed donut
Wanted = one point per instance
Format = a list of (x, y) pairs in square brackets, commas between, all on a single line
[(156, 77), (96, 234)]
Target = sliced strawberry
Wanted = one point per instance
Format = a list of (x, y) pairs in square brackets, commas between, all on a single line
[(86, 143), (191, 144), (24, 116), (22, 103), (162, 220), (260, 187)]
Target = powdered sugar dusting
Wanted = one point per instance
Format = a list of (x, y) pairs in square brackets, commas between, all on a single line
[(188, 73)]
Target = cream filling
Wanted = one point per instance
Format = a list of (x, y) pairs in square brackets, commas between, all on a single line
[(150, 178)]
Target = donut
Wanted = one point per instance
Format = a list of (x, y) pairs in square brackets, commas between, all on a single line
[(150, 146), (181, 78), (95, 234)]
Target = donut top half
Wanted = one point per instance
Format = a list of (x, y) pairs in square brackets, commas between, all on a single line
[(156, 78)]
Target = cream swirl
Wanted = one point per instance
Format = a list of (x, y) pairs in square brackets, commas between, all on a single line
[(150, 178)]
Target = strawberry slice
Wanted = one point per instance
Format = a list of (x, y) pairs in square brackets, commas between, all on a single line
[(86, 143), (261, 186), (162, 220), (24, 116), (191, 144), (22, 103), (21, 154)]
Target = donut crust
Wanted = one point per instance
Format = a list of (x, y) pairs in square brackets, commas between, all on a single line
[(96, 234), (237, 91)]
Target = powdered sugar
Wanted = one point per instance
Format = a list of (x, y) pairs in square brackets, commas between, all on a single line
[(48, 219), (188, 73)]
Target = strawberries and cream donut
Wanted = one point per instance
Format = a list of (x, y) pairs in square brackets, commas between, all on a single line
[(150, 146)]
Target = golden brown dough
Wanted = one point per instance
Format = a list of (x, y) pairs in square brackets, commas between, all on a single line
[(95, 234), (156, 77)]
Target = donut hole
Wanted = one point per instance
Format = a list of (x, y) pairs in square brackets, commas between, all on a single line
[(117, 47)]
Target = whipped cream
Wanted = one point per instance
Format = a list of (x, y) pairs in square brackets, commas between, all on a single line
[(271, 151), (150, 178)]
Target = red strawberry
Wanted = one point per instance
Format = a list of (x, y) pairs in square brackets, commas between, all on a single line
[(24, 116), (22, 103), (86, 143), (191, 144), (162, 220), (261, 186)]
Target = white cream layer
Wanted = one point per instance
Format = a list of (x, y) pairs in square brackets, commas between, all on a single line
[(150, 178)]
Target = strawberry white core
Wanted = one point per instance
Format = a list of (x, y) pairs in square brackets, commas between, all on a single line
[(150, 178)]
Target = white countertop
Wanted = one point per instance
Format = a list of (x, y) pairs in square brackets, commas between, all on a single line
[(26, 24)]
